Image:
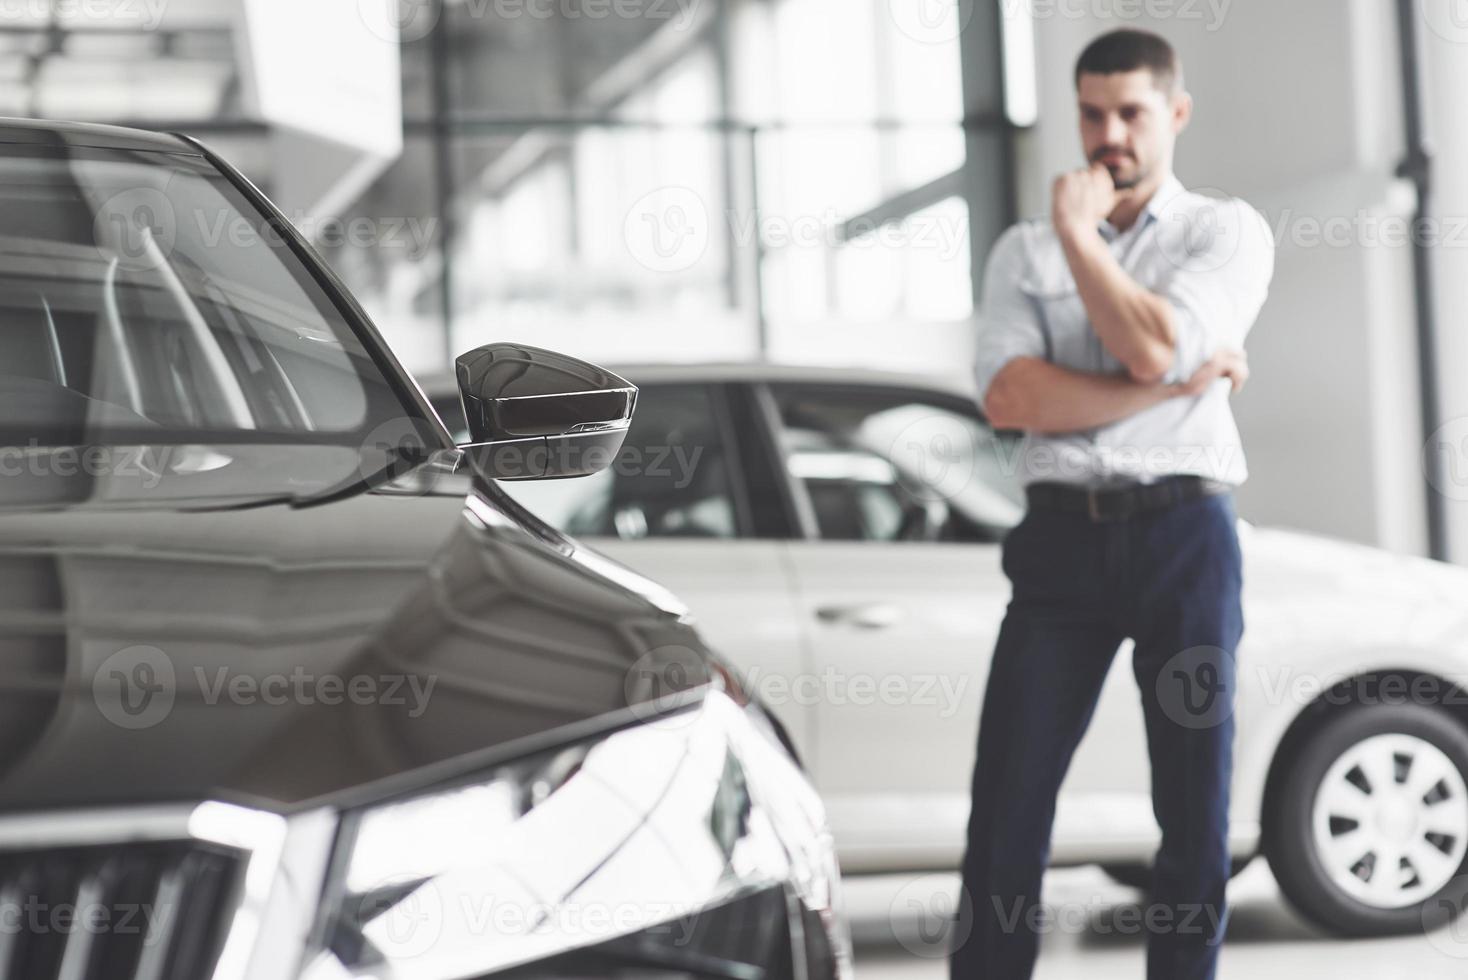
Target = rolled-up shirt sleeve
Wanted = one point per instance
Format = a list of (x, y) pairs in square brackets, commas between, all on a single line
[(1223, 260), (1008, 323)]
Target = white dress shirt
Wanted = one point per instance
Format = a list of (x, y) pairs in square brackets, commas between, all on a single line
[(1211, 258)]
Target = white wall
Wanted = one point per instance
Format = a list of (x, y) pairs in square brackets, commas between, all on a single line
[(1446, 37), (1297, 112)]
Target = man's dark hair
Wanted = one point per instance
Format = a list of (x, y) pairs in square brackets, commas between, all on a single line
[(1130, 50)]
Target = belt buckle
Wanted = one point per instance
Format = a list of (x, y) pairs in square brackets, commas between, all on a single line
[(1121, 509)]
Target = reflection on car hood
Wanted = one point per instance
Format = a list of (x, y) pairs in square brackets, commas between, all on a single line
[(282, 657)]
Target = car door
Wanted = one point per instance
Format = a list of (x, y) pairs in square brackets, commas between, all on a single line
[(905, 496), (687, 503)]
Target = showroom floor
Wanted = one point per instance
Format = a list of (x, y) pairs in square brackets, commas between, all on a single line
[(895, 921)]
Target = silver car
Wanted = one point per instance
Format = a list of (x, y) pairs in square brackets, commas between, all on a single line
[(837, 532)]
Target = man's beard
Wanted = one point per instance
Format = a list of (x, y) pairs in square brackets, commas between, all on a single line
[(1131, 183)]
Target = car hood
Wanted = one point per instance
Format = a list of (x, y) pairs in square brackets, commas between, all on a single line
[(282, 657)]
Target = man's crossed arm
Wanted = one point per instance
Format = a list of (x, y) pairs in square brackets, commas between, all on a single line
[(1137, 326), (1134, 324), (1032, 394)]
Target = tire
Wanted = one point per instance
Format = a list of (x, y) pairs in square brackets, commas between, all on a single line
[(1356, 786), (1139, 876)]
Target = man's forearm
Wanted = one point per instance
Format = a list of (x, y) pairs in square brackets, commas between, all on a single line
[(1134, 324), (1037, 396)]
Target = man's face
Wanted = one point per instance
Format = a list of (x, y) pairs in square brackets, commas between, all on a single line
[(1130, 125)]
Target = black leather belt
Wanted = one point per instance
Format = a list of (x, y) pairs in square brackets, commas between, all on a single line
[(1105, 504)]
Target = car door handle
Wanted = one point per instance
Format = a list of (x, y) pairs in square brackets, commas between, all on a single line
[(867, 615)]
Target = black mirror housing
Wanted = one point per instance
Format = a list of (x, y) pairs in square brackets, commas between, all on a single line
[(535, 414)]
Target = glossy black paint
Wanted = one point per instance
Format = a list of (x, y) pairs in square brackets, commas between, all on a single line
[(513, 391), (535, 414), (477, 632), (514, 636)]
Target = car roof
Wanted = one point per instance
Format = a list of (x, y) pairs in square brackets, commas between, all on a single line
[(55, 133), (442, 384)]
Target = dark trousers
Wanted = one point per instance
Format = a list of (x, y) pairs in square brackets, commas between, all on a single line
[(1171, 581)]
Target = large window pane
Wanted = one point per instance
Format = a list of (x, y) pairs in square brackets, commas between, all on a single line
[(387, 248), (568, 58), (843, 239), (616, 242)]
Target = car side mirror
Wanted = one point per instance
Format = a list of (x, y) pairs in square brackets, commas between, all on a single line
[(538, 415)]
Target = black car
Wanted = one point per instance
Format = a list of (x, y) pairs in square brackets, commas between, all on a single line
[(291, 687)]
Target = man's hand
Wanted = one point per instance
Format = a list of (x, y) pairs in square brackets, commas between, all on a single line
[(1081, 200), (1230, 364)]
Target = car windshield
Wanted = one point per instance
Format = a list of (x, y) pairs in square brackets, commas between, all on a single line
[(145, 302)]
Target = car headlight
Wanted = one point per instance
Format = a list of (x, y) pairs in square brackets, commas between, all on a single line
[(687, 843)]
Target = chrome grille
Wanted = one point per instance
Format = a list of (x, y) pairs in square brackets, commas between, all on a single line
[(155, 910)]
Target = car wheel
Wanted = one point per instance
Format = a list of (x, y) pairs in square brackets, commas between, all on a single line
[(1369, 821), (1139, 876)]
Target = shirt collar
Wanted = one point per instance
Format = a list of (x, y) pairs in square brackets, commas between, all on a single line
[(1164, 197), (1161, 199)]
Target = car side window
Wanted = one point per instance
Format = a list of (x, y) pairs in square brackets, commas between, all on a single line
[(887, 464), (671, 479)]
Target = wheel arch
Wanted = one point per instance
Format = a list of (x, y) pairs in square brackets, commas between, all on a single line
[(1378, 686)]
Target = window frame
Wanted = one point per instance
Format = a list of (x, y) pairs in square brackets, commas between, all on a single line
[(796, 488), (400, 382), (759, 444)]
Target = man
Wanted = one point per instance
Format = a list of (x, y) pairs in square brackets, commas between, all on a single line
[(1112, 335)]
